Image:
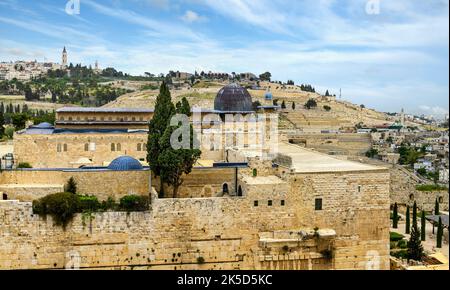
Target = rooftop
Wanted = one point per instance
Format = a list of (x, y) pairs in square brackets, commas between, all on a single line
[(308, 161), (103, 110)]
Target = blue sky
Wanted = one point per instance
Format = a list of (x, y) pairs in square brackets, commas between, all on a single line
[(387, 58)]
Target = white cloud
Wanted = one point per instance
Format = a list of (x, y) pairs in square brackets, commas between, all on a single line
[(191, 17)]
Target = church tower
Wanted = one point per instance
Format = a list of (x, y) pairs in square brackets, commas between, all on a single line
[(64, 57)]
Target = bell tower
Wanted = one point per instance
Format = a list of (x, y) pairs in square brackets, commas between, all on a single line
[(64, 57)]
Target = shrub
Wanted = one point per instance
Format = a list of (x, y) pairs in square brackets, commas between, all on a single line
[(23, 165), (402, 244), (200, 260), (88, 203), (327, 108), (402, 254), (395, 237), (71, 186), (134, 203), (109, 204), (431, 187), (61, 206)]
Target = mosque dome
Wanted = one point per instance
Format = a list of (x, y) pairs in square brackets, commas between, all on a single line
[(268, 96), (125, 163), (233, 98)]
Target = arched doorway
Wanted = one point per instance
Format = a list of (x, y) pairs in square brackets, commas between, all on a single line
[(4, 196), (240, 191), (225, 189)]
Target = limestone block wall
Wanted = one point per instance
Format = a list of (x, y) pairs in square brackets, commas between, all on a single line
[(224, 231), (41, 151), (32, 184)]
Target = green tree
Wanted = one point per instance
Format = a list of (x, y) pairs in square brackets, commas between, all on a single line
[(2, 123), (327, 108), (164, 110), (71, 186), (423, 227), (414, 223), (408, 221), (395, 217), (176, 162), (440, 233), (265, 76), (283, 105), (327, 94), (436, 207), (183, 107), (293, 106), (19, 120), (310, 104), (415, 248)]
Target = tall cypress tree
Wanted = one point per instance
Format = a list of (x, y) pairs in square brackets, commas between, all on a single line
[(395, 217), (2, 123), (408, 222), (415, 248), (414, 223), (423, 227), (164, 110), (436, 207), (440, 233)]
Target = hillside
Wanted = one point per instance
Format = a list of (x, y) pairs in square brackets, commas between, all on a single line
[(342, 113)]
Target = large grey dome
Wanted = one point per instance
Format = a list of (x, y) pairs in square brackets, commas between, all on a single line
[(233, 98)]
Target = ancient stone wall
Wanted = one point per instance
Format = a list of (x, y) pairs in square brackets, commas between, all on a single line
[(218, 233), (41, 151)]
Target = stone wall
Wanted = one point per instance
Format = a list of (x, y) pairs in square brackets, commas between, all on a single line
[(28, 185), (41, 151), (345, 144), (277, 232)]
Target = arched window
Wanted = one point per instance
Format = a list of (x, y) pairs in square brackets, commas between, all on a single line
[(65, 147), (119, 147), (411, 197), (59, 148), (139, 147), (133, 119), (113, 147), (441, 199), (70, 119), (225, 188), (86, 147)]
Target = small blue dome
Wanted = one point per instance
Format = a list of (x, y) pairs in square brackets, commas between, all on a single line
[(44, 125), (125, 163), (268, 96)]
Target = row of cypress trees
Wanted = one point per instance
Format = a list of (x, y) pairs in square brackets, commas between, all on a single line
[(417, 235)]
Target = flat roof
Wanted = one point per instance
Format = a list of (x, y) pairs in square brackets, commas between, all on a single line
[(308, 161), (103, 110), (52, 131)]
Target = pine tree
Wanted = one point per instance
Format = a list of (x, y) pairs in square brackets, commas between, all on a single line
[(440, 233), (415, 248), (71, 186), (423, 227), (164, 110), (436, 208), (408, 222), (395, 217)]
